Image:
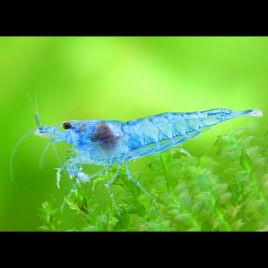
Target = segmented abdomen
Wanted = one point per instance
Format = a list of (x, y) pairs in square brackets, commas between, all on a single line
[(158, 132)]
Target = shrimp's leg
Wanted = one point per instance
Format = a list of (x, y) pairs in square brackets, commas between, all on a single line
[(68, 195), (59, 170), (82, 177), (138, 184), (109, 183), (71, 166), (180, 149)]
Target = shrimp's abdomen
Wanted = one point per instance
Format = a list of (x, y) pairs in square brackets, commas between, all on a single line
[(160, 132)]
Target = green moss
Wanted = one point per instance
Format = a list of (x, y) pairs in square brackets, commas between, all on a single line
[(225, 189)]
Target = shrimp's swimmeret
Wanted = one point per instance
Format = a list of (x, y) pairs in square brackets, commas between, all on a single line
[(108, 142)]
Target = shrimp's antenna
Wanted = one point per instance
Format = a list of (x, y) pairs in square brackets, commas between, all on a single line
[(14, 150), (56, 153), (38, 123), (41, 161), (35, 109), (36, 115), (37, 120), (42, 157)]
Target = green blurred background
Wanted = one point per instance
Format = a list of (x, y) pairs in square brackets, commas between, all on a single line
[(119, 78)]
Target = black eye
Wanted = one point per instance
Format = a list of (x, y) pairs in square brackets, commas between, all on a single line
[(67, 125)]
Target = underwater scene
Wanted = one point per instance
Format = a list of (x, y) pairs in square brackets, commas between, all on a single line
[(134, 134)]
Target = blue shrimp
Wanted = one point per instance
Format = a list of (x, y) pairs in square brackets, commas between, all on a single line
[(109, 142)]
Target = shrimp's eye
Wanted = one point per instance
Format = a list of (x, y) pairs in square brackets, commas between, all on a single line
[(67, 125)]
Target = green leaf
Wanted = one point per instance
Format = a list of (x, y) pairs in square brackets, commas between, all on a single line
[(183, 219), (245, 160), (225, 198), (237, 225), (156, 165)]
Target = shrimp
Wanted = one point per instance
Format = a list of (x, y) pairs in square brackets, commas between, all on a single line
[(109, 142)]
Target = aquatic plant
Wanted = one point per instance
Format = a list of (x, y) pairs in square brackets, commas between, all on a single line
[(225, 189)]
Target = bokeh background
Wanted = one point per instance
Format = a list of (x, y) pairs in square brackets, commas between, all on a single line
[(120, 78)]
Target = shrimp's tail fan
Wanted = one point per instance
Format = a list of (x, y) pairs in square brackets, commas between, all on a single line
[(255, 112), (216, 116)]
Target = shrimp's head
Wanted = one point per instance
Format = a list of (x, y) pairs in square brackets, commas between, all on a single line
[(73, 132), (83, 136)]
